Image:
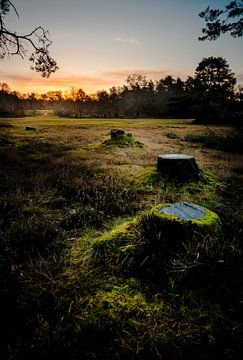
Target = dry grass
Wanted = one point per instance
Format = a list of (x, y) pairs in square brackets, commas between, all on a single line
[(60, 190), (84, 135)]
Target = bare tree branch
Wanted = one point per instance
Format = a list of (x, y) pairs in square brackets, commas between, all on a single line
[(12, 43)]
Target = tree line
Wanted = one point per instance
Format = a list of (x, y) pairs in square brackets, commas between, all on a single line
[(211, 94)]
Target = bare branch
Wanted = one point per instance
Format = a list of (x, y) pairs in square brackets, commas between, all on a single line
[(12, 43), (16, 12)]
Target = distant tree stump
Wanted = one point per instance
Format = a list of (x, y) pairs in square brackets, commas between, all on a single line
[(178, 167), (30, 128), (115, 133)]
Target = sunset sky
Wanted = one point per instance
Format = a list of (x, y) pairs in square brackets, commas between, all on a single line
[(98, 43)]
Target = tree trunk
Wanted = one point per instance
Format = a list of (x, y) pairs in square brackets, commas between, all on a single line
[(179, 167)]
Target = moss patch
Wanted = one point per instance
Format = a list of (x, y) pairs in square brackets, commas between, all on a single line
[(148, 245), (123, 140)]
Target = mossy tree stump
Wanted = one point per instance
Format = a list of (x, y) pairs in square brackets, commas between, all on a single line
[(179, 167), (181, 238), (180, 223), (115, 133), (155, 243), (119, 138)]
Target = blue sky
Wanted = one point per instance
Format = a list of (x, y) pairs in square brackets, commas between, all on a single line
[(97, 43)]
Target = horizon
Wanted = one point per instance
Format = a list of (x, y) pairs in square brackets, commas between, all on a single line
[(105, 41)]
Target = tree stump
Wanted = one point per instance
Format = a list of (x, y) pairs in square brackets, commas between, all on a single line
[(179, 167), (168, 242), (115, 133), (173, 228), (185, 215), (30, 128)]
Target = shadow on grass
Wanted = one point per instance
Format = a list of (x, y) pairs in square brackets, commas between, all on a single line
[(231, 143), (57, 307), (47, 196)]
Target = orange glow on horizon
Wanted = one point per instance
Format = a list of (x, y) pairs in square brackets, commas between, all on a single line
[(43, 89), (90, 83)]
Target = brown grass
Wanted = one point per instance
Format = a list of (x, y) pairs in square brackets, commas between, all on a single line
[(85, 136), (62, 189)]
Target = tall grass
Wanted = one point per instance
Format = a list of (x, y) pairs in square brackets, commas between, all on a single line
[(59, 297), (230, 143)]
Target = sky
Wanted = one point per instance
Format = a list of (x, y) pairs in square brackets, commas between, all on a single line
[(98, 43)]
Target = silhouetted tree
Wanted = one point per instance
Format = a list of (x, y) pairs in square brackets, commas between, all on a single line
[(136, 81), (213, 91), (136, 94), (115, 100), (213, 75), (12, 43), (103, 103), (221, 21)]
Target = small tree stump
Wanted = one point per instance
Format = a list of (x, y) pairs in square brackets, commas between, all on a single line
[(178, 167), (115, 133), (30, 128)]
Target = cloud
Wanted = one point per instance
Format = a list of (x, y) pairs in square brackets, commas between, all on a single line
[(35, 83), (32, 82), (129, 40), (89, 83), (122, 74)]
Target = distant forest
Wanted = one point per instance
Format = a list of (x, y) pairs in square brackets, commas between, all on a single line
[(212, 94)]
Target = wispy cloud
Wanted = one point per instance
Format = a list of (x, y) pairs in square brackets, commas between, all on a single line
[(127, 40), (89, 83), (122, 74), (34, 83)]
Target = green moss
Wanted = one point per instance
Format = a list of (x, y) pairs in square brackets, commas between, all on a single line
[(123, 141), (135, 327), (147, 246), (150, 177), (111, 248)]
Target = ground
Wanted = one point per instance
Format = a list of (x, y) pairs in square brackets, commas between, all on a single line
[(66, 287)]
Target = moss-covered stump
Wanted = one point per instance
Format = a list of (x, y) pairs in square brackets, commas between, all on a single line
[(121, 139), (179, 167), (115, 133), (168, 238)]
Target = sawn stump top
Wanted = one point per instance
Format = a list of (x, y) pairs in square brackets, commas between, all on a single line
[(175, 156), (184, 211)]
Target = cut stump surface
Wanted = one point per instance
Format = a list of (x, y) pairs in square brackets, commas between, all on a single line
[(184, 211)]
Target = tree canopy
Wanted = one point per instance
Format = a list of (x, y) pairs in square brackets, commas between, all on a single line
[(220, 21), (209, 96), (12, 43), (213, 74)]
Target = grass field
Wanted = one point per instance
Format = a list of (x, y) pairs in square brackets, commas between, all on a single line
[(63, 190)]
